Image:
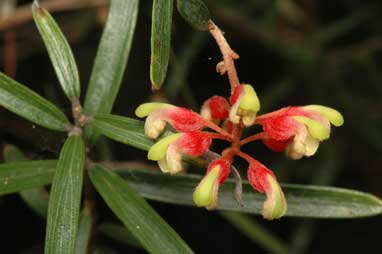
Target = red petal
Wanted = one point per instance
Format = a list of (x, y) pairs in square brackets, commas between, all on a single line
[(184, 120), (275, 145), (280, 128), (257, 176), (194, 143), (239, 90), (225, 167), (219, 107)]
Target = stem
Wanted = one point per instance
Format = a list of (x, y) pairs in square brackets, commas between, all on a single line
[(217, 136), (218, 129), (79, 119), (228, 54), (247, 157), (271, 114), (258, 136), (89, 202)]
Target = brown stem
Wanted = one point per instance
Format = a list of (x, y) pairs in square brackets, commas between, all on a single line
[(228, 54), (79, 118)]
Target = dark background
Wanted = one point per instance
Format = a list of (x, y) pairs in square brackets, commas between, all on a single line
[(307, 52)]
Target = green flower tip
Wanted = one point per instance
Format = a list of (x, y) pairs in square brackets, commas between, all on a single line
[(316, 129), (333, 115), (275, 206), (205, 195), (146, 108), (159, 149), (250, 101)]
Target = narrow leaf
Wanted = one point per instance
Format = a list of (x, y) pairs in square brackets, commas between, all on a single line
[(122, 129), (17, 176), (84, 231), (119, 233), (36, 199), (195, 12), (136, 214), (112, 56), (59, 51), (303, 200), (65, 199), (160, 41), (28, 104)]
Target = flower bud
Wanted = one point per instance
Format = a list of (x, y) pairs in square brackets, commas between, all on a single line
[(299, 129), (263, 180), (215, 108), (169, 150), (158, 114), (206, 193), (245, 105)]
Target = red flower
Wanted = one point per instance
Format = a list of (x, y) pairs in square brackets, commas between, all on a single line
[(298, 129), (263, 180), (245, 105), (158, 114), (169, 150), (215, 108), (206, 193)]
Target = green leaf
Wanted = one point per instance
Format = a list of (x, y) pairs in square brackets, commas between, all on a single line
[(36, 199), (112, 56), (303, 200), (195, 12), (122, 129), (28, 104), (160, 40), (17, 176), (119, 233), (59, 51), (84, 231), (65, 199), (136, 214)]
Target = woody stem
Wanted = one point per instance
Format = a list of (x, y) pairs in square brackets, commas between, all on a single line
[(228, 54)]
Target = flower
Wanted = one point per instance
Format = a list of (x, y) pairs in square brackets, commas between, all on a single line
[(206, 193), (215, 108), (169, 150), (298, 130), (263, 180), (158, 114), (245, 105)]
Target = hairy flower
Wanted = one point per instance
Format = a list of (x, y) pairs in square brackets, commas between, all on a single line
[(169, 150), (245, 105), (263, 180), (206, 193), (299, 130), (215, 108), (158, 114)]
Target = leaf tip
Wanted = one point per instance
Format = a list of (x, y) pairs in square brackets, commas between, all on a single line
[(37, 7)]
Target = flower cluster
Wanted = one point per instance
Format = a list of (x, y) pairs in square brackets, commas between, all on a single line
[(295, 130)]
